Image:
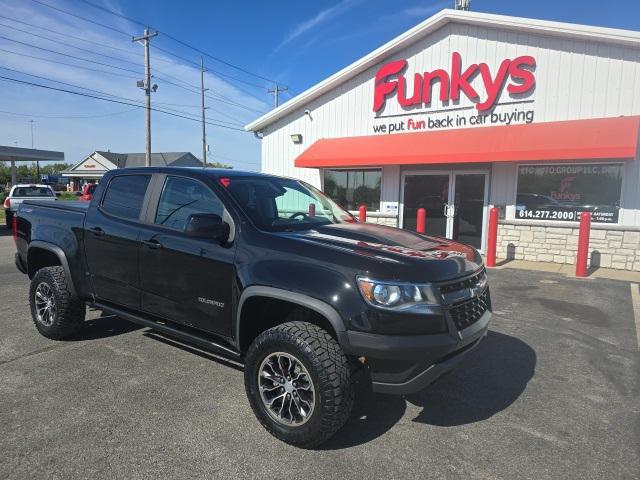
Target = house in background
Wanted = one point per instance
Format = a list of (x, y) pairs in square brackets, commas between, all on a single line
[(94, 166)]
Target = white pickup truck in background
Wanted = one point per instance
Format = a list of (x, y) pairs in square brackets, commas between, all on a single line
[(22, 192)]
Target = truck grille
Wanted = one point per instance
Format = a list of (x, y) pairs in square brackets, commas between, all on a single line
[(468, 282), (468, 312)]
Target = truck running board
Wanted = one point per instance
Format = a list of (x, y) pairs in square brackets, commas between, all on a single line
[(171, 330)]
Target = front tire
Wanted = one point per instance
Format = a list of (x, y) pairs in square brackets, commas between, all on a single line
[(56, 313), (298, 382)]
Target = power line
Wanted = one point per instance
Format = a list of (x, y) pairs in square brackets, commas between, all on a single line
[(82, 67), (217, 72), (81, 18), (237, 121), (69, 45), (48, 87), (70, 56), (192, 89), (125, 33), (99, 92), (65, 116), (63, 83), (81, 39), (229, 64), (68, 35)]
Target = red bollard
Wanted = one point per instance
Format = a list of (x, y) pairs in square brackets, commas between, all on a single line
[(493, 237), (583, 244), (363, 213), (421, 221), (312, 209)]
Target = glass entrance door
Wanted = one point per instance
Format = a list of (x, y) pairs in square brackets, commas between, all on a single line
[(468, 208), (455, 202), (430, 192)]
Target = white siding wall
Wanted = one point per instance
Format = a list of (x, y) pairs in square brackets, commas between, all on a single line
[(574, 80)]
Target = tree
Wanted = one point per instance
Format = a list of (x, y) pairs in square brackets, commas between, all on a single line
[(218, 165), (25, 171)]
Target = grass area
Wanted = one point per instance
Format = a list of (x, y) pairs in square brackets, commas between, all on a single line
[(68, 196), (1, 216)]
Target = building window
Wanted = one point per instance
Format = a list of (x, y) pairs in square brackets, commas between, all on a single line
[(352, 188), (561, 192)]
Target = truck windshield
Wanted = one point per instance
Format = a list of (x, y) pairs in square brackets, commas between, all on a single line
[(32, 192), (280, 204)]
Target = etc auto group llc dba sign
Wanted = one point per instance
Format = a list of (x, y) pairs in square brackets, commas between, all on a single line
[(516, 75)]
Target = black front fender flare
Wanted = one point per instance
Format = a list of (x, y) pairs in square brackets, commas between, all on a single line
[(324, 309)]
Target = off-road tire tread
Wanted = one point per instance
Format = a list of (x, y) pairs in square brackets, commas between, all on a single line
[(332, 368), (71, 310)]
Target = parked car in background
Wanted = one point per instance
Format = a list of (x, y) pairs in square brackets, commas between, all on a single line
[(87, 192), (21, 192)]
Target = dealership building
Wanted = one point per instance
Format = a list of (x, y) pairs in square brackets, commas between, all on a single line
[(467, 111)]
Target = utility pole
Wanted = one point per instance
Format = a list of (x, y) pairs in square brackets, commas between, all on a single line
[(147, 86), (204, 129), (276, 93), (37, 161)]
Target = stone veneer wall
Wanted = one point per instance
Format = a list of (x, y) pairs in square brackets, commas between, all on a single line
[(381, 218), (609, 248)]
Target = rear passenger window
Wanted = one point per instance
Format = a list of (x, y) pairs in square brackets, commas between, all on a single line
[(182, 197), (125, 194)]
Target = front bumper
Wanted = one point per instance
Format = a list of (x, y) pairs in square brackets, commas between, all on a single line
[(402, 364)]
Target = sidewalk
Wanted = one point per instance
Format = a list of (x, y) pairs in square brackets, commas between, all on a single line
[(570, 270)]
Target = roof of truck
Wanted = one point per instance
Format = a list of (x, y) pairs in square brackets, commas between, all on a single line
[(213, 172)]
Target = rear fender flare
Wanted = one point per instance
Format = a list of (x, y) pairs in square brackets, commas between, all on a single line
[(58, 252)]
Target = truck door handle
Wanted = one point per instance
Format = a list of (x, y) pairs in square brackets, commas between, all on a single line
[(97, 231), (152, 244)]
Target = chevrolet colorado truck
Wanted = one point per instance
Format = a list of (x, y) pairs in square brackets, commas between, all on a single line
[(264, 269)]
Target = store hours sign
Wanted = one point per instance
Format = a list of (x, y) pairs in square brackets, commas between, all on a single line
[(420, 91), (561, 192)]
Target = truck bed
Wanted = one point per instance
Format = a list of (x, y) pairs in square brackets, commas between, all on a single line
[(74, 205)]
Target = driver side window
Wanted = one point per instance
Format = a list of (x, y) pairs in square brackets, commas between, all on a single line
[(182, 197)]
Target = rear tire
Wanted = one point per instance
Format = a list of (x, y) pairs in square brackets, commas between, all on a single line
[(8, 219), (323, 389), (56, 313)]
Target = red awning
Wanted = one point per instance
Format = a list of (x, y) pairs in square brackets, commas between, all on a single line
[(592, 139)]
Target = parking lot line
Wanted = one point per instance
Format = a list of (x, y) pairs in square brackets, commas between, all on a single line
[(635, 299)]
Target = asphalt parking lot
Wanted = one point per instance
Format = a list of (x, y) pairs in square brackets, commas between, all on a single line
[(552, 393)]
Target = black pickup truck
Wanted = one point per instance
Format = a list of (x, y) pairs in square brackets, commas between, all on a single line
[(267, 270)]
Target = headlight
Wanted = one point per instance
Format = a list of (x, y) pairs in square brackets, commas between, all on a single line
[(396, 295)]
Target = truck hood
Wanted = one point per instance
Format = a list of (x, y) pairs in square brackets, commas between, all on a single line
[(391, 249)]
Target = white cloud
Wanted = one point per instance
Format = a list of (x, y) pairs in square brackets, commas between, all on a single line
[(418, 11), (109, 129), (321, 17)]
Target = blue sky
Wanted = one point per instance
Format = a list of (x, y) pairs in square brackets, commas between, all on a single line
[(295, 43)]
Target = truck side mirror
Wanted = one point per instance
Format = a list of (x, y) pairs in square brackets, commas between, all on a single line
[(207, 225)]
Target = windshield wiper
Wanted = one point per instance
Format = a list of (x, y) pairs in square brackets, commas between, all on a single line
[(180, 207)]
